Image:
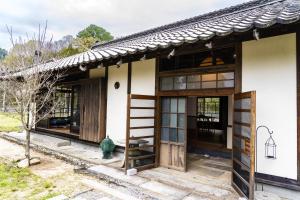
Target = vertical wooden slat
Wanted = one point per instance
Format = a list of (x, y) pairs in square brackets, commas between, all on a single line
[(157, 113), (238, 68), (252, 144), (129, 74), (251, 181), (127, 132)]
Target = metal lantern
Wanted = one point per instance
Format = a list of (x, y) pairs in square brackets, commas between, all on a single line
[(270, 147)]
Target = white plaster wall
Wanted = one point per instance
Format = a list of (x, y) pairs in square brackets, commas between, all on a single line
[(143, 77), (117, 103), (143, 83), (269, 67)]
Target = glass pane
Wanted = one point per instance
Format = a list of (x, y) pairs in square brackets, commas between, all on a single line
[(181, 120), (242, 104), (209, 77), (173, 105), (242, 130), (165, 120), (244, 117), (194, 85), (166, 83), (194, 78), (211, 84), (181, 136), (165, 134), (173, 121), (173, 135), (180, 83), (224, 76), (166, 105), (226, 84), (181, 105)]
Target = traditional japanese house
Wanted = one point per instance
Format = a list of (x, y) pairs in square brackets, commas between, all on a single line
[(214, 84)]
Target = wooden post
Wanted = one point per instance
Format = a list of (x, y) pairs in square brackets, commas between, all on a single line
[(129, 73)]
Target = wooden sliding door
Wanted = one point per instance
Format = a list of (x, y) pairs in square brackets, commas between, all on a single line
[(244, 133), (173, 133), (92, 126)]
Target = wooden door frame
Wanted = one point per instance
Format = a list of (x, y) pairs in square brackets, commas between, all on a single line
[(251, 182), (213, 92)]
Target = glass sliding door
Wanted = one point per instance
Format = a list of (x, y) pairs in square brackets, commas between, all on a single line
[(75, 114), (173, 133)]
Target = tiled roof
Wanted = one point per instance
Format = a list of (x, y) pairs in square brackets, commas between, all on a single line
[(240, 18)]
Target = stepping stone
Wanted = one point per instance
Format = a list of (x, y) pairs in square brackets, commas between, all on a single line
[(165, 189)]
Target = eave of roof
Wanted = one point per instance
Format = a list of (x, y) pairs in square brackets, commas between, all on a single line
[(239, 18)]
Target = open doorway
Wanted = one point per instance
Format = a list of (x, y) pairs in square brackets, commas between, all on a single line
[(207, 125)]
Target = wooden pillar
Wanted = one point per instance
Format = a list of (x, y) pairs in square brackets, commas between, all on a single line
[(238, 68), (157, 113), (129, 74)]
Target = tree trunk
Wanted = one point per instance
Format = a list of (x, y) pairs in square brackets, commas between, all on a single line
[(4, 102), (27, 147)]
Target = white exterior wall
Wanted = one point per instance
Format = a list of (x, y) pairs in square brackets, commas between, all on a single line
[(143, 77), (117, 103), (269, 67), (143, 83)]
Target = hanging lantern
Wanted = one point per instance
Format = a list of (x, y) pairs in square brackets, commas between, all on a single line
[(270, 147)]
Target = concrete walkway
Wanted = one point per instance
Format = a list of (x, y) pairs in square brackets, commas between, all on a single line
[(85, 152), (206, 179)]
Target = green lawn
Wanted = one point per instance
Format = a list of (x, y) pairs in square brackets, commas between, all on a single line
[(9, 122), (18, 183)]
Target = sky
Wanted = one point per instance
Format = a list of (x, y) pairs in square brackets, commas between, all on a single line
[(120, 17)]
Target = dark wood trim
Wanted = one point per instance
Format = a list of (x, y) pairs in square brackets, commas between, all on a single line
[(238, 68), (129, 75), (298, 102), (103, 106), (277, 181), (46, 131), (105, 100), (200, 70), (200, 92), (157, 113)]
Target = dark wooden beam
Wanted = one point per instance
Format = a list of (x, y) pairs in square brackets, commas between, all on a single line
[(157, 113), (238, 67), (129, 74)]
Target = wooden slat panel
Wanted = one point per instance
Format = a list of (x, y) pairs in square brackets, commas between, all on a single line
[(149, 166), (149, 119), (152, 117), (91, 99), (140, 157), (249, 148), (141, 147), (141, 137), (142, 127), (143, 108), (142, 97)]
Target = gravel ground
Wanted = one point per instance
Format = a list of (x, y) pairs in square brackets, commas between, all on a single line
[(60, 173)]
